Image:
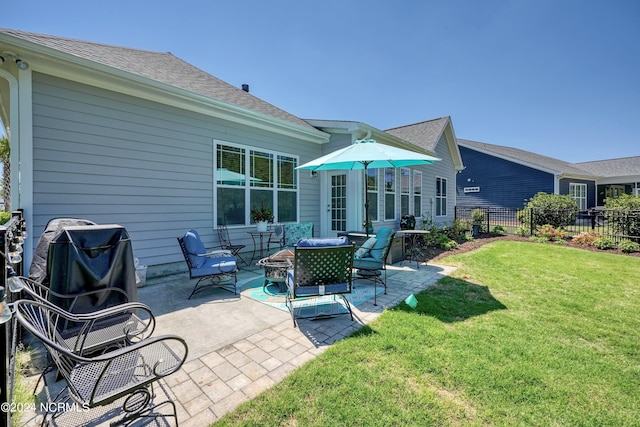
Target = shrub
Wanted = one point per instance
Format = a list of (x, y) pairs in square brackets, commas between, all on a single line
[(498, 229), (586, 238), (477, 216), (552, 233), (521, 231), (604, 243), (466, 237), (5, 217), (446, 243), (625, 218), (627, 246), (554, 209)]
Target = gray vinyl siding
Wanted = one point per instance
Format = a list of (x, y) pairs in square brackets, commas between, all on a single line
[(112, 158), (442, 169)]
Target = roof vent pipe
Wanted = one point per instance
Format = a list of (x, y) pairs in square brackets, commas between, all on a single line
[(245, 87)]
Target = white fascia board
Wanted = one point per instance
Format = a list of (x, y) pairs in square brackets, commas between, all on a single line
[(70, 67), (361, 130), (627, 179)]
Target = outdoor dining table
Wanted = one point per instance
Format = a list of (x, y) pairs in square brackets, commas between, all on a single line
[(412, 235), (259, 241)]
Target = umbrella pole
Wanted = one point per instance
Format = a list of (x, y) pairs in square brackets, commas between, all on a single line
[(366, 201)]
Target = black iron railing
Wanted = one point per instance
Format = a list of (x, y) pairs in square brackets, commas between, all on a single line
[(615, 224)]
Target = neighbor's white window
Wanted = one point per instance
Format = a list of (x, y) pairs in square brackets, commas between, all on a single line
[(441, 196), (405, 191), (373, 191), (247, 178), (417, 194), (579, 194), (389, 194)]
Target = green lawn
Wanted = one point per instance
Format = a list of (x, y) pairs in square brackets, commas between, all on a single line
[(523, 334)]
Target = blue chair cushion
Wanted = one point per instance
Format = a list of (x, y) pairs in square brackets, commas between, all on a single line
[(383, 237), (217, 265), (364, 250), (195, 247), (314, 290), (367, 263), (322, 243)]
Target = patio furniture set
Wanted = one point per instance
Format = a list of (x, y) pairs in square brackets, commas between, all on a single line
[(105, 361)]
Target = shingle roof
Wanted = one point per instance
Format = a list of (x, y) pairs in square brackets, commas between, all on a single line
[(159, 66), (626, 166), (424, 134), (525, 157)]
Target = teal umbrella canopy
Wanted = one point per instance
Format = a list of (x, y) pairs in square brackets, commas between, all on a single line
[(367, 153)]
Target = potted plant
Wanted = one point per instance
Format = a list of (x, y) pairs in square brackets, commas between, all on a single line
[(368, 226), (262, 217), (477, 219)]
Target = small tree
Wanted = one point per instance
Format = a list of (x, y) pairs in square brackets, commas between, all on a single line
[(5, 157), (553, 209)]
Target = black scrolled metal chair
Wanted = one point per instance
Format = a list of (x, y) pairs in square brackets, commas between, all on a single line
[(225, 242), (372, 264), (320, 267), (124, 375), (276, 237), (203, 265), (117, 326)]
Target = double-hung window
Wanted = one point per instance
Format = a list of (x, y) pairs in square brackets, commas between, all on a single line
[(247, 179), (441, 197), (372, 194), (389, 194), (417, 194), (405, 191)]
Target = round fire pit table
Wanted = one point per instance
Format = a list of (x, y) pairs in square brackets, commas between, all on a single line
[(275, 268)]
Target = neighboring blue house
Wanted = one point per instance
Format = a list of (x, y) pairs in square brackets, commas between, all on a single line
[(497, 176), (614, 176)]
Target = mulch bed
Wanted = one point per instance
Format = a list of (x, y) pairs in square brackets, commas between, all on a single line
[(433, 254)]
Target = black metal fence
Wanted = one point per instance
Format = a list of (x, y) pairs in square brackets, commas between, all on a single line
[(612, 223)]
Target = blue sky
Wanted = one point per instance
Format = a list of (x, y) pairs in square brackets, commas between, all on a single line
[(557, 77)]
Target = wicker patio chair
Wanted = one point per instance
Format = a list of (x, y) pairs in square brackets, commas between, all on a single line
[(125, 375), (213, 266)]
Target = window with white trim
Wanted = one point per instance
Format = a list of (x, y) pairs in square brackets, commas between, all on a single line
[(389, 194), (405, 191), (372, 193), (579, 194), (246, 178), (441, 197), (417, 194)]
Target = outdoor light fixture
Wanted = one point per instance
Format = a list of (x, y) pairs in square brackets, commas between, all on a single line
[(23, 65), (13, 280)]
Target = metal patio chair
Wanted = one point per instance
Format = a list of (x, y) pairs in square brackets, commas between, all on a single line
[(125, 376), (372, 264), (225, 242), (213, 266), (320, 267), (89, 333)]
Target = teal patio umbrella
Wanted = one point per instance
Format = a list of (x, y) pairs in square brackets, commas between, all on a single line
[(364, 154)]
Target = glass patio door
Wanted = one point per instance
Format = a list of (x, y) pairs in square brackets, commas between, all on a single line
[(337, 201)]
